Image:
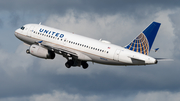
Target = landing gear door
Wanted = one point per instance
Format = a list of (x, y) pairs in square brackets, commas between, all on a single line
[(116, 55), (30, 31)]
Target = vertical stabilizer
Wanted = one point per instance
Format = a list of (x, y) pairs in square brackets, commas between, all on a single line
[(144, 41)]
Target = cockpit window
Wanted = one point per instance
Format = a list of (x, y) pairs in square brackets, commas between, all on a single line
[(22, 27)]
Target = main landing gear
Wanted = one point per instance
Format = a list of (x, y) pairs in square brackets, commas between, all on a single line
[(70, 63), (84, 64)]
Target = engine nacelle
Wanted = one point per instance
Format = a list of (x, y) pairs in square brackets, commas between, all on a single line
[(40, 52)]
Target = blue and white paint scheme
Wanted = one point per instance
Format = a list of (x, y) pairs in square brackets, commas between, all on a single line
[(144, 41), (45, 42)]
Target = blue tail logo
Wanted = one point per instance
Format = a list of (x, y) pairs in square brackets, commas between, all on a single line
[(144, 41)]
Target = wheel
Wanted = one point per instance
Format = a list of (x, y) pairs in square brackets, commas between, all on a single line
[(84, 65), (27, 51), (69, 63)]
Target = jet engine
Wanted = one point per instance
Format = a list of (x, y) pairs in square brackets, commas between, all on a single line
[(40, 52)]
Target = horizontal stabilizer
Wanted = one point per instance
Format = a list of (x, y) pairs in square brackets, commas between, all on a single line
[(163, 59)]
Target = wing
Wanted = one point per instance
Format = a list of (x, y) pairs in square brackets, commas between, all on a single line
[(64, 51)]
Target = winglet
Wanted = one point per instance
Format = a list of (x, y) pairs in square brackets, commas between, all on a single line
[(156, 49), (144, 41), (40, 41)]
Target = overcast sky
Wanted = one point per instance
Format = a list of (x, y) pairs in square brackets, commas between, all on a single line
[(27, 78)]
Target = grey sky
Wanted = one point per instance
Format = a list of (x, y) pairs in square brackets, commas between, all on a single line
[(24, 77)]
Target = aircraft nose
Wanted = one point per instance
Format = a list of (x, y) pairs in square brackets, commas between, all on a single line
[(15, 33)]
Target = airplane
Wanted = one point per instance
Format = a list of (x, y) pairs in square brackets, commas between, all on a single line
[(46, 42)]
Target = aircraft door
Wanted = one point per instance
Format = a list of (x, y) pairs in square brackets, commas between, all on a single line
[(116, 55), (30, 31)]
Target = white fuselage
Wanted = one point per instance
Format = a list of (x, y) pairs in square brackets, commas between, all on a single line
[(87, 49)]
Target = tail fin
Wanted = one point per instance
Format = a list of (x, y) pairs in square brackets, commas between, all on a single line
[(144, 41)]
